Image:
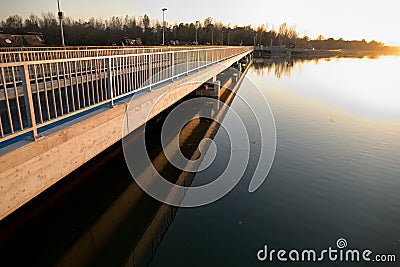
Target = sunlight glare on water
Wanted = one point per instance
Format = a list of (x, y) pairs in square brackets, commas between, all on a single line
[(348, 85)]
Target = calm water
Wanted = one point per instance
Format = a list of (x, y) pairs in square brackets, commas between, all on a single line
[(336, 173)]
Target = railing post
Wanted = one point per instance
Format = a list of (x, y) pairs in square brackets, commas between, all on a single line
[(110, 80), (30, 111)]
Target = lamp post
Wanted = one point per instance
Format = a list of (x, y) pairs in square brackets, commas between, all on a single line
[(222, 41), (197, 22), (212, 34), (163, 29), (61, 17)]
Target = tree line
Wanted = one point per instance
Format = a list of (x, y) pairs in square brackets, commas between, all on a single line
[(109, 31)]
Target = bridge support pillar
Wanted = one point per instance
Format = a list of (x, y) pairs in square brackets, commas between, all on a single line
[(217, 88), (239, 67), (208, 92)]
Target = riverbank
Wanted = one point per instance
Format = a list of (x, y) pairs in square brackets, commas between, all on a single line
[(283, 51), (342, 53)]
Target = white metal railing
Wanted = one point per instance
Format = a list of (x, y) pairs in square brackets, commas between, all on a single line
[(22, 54), (34, 94)]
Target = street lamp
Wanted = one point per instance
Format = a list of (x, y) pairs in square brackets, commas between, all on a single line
[(61, 17), (163, 29), (197, 22), (212, 34)]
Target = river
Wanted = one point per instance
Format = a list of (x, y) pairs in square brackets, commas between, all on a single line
[(336, 172)]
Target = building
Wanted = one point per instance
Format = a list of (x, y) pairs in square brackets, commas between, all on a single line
[(129, 42), (15, 40)]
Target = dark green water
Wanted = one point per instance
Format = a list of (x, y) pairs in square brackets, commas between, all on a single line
[(336, 173)]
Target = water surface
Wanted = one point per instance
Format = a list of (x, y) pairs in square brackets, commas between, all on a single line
[(336, 173)]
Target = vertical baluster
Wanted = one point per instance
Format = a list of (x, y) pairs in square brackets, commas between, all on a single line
[(110, 80), (100, 77), (64, 66), (76, 82), (140, 71), (117, 77), (45, 92), (21, 124), (122, 75), (37, 92), (171, 64), (92, 83), (59, 88), (149, 66), (71, 82), (88, 87), (187, 62), (124, 71), (96, 77), (129, 75), (137, 72), (104, 74), (81, 82), (7, 100), (53, 90), (30, 112)]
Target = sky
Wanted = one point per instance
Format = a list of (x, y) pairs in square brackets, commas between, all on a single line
[(350, 19)]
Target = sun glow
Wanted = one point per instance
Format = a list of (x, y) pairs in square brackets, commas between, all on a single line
[(365, 87)]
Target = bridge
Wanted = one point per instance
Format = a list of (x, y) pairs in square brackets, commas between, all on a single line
[(60, 107), (283, 51)]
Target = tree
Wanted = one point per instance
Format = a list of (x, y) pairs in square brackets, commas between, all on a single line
[(13, 24), (146, 21), (208, 22), (109, 31)]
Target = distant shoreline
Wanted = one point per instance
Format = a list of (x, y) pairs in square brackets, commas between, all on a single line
[(345, 53)]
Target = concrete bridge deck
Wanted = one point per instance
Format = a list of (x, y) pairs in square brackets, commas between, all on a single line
[(64, 105)]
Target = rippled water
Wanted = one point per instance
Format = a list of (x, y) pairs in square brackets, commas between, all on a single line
[(336, 173)]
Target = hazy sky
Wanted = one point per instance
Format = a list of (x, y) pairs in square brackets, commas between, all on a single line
[(350, 19)]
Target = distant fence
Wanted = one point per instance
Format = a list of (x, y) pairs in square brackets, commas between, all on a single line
[(36, 92)]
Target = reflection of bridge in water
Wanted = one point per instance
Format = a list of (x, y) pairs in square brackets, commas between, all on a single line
[(98, 220), (61, 108)]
